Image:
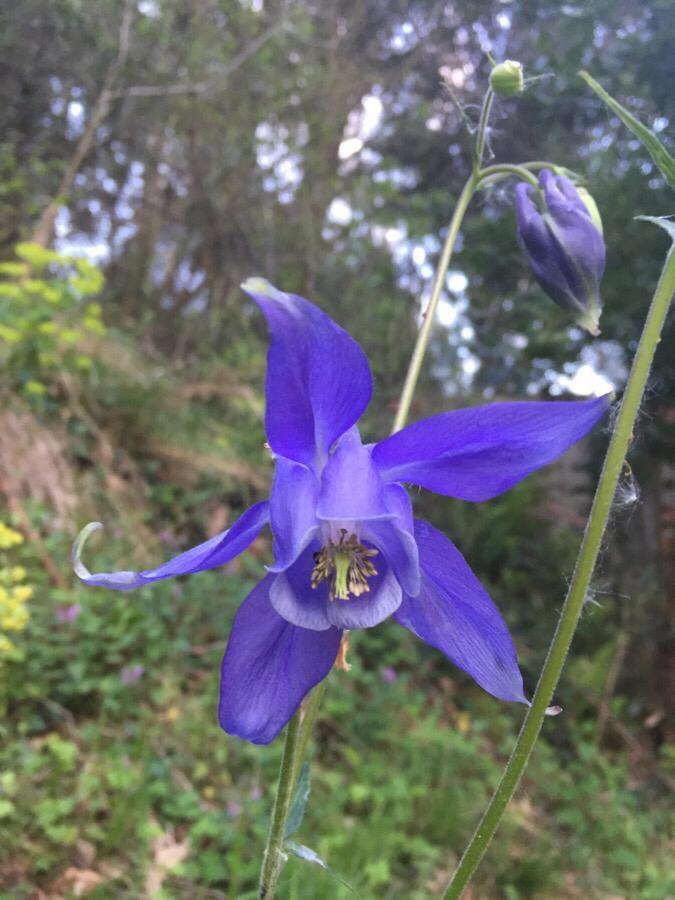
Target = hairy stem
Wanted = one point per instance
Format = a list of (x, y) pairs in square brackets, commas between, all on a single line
[(588, 554), (295, 746)]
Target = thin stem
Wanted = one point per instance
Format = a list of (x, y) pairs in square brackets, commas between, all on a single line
[(273, 858), (295, 745), (576, 596), (536, 164), (482, 128), (308, 712), (424, 333), (506, 169)]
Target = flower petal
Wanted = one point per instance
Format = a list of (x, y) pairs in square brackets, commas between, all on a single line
[(294, 598), (292, 511), (369, 609), (215, 552), (454, 614), (352, 489), (268, 667), (318, 378), (480, 452)]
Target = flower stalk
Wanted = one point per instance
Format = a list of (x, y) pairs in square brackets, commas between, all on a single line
[(295, 746), (588, 554), (424, 334)]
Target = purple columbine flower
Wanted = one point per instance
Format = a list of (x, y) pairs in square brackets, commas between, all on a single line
[(561, 237), (348, 553)]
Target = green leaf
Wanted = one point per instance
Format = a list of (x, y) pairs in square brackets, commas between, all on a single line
[(299, 803), (309, 855), (663, 222), (652, 144)]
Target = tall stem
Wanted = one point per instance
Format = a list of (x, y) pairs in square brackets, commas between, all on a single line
[(424, 333), (588, 554)]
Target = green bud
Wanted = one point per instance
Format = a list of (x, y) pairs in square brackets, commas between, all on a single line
[(591, 206), (506, 79)]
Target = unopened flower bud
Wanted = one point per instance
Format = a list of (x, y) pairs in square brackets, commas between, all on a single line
[(506, 79), (561, 235)]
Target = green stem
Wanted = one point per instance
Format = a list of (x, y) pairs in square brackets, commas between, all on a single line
[(536, 164), (578, 590), (424, 333), (311, 708), (482, 128), (295, 745), (506, 169)]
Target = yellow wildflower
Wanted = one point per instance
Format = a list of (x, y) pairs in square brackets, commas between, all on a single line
[(9, 537)]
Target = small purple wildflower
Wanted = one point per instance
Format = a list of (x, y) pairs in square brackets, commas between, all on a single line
[(233, 809), (388, 674), (563, 244), (65, 615), (129, 674), (348, 553)]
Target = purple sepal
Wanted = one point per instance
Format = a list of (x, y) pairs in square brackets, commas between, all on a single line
[(268, 667), (482, 451), (318, 378), (292, 511), (453, 613)]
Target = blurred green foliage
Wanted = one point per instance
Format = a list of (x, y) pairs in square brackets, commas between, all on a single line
[(95, 770), (47, 313)]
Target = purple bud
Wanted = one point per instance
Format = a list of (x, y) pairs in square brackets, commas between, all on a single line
[(67, 614), (233, 809), (129, 674), (563, 245)]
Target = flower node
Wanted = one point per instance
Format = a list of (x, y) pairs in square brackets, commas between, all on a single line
[(346, 566)]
